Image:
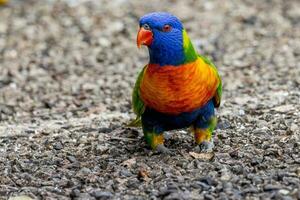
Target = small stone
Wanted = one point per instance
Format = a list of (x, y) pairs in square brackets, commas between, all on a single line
[(225, 176), (270, 187), (22, 197), (283, 191), (85, 196), (166, 191), (202, 156), (223, 125), (125, 173), (85, 171), (117, 26), (294, 128), (104, 42), (30, 131), (250, 190), (284, 108), (227, 187), (241, 112), (129, 162), (72, 159), (58, 146), (250, 20), (180, 179), (101, 149), (207, 180), (209, 197), (75, 193), (298, 171), (102, 194), (6, 109)]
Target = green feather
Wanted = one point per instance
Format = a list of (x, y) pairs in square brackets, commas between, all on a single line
[(218, 94), (137, 103), (191, 55), (189, 51)]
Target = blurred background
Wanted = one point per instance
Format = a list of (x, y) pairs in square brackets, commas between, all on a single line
[(57, 56), (67, 69)]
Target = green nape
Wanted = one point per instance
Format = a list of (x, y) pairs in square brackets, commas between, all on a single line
[(189, 51)]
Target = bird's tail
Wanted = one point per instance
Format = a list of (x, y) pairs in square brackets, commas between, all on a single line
[(135, 123)]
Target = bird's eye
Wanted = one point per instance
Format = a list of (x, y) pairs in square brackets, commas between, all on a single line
[(146, 26), (166, 28)]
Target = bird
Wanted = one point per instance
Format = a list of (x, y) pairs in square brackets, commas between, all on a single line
[(178, 88)]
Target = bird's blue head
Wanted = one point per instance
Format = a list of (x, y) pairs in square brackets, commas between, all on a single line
[(165, 37)]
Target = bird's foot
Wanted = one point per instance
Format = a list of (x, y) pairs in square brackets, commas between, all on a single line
[(206, 146)]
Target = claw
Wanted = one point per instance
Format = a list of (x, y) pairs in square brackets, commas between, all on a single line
[(206, 146)]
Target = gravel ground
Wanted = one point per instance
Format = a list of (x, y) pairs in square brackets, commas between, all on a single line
[(66, 76)]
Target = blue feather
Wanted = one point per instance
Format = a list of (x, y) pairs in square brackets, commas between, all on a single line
[(159, 122), (167, 47)]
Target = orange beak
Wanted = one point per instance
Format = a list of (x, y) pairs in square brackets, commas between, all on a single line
[(144, 37)]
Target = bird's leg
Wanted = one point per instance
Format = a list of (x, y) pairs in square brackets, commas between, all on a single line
[(156, 142), (203, 137), (203, 134), (154, 139)]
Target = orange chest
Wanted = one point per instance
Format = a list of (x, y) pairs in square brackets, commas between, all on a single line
[(174, 90)]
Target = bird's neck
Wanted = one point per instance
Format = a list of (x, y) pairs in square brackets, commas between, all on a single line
[(190, 54), (178, 54)]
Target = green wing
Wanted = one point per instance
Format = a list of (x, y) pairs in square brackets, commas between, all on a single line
[(137, 103), (218, 95)]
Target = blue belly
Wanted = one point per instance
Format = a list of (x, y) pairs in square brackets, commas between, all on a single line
[(159, 122)]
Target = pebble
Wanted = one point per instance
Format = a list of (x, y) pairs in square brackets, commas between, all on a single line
[(85, 171), (75, 193), (125, 173), (22, 197), (85, 196), (294, 128), (58, 146), (202, 185), (270, 187), (283, 192), (207, 180), (102, 194), (71, 159)]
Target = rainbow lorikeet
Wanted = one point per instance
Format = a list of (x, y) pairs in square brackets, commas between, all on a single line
[(178, 88)]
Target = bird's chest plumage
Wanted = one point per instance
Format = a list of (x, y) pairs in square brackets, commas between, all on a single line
[(174, 90)]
